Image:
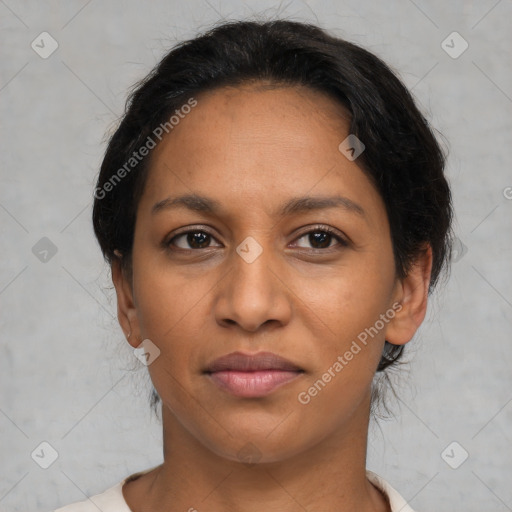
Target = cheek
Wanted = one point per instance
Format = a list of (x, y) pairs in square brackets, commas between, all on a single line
[(167, 316), (346, 348), (352, 298), (170, 315), (166, 299)]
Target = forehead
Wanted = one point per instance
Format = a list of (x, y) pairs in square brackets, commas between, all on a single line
[(253, 120), (257, 143), (256, 97)]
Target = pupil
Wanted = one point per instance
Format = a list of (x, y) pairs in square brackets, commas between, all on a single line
[(320, 237), (197, 239)]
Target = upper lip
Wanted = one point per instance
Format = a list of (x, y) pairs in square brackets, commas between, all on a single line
[(251, 362)]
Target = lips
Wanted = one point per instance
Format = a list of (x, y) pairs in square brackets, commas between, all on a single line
[(252, 376), (238, 361)]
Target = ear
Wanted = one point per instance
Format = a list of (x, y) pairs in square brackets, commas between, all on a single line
[(126, 310), (411, 293)]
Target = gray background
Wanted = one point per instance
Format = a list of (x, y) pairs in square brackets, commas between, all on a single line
[(68, 377)]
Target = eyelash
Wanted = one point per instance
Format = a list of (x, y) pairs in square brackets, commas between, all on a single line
[(316, 229)]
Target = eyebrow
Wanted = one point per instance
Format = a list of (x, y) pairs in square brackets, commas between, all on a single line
[(295, 205)]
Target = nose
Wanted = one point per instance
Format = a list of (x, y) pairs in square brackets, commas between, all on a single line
[(253, 293)]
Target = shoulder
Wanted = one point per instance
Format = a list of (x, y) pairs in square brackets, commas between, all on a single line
[(112, 500), (396, 501)]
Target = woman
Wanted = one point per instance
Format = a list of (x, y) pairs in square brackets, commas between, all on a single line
[(275, 214)]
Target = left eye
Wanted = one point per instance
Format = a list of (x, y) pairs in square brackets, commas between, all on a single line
[(322, 238)]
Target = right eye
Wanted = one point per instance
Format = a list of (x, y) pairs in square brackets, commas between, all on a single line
[(191, 240)]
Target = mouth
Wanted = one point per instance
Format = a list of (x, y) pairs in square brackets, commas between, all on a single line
[(252, 376)]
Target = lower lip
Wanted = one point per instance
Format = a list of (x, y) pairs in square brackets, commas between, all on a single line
[(252, 384)]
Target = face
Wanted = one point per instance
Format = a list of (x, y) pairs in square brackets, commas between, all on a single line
[(256, 267)]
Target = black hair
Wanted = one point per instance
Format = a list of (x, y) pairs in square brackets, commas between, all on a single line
[(401, 157)]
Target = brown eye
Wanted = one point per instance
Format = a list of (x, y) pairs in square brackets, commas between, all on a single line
[(190, 240), (322, 238)]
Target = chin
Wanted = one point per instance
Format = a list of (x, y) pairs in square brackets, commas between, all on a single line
[(251, 447)]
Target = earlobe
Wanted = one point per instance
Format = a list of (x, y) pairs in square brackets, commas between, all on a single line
[(412, 294), (126, 311)]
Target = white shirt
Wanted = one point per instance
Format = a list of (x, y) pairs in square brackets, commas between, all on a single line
[(112, 500)]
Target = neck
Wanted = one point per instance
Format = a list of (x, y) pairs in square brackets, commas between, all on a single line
[(330, 475)]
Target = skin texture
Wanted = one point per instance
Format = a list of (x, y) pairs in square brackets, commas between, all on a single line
[(252, 148)]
